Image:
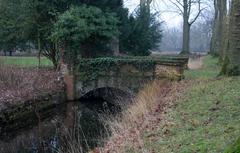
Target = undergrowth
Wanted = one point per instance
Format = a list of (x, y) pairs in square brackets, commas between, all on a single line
[(18, 84), (143, 115), (206, 118)]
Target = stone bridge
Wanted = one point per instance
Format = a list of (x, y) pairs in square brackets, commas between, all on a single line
[(124, 74)]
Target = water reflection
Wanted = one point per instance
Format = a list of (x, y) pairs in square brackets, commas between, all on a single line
[(76, 125)]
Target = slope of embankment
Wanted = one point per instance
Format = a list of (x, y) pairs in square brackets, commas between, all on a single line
[(197, 115)]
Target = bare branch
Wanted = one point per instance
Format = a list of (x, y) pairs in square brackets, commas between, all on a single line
[(199, 12), (177, 4)]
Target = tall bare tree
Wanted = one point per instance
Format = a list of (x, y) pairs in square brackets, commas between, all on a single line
[(190, 10), (231, 64), (219, 25)]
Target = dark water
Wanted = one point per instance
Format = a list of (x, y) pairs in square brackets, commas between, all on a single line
[(77, 124)]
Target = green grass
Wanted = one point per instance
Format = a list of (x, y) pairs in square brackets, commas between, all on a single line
[(210, 69), (206, 120), (235, 148), (25, 61)]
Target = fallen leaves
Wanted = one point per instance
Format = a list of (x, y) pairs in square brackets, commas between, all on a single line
[(148, 124), (20, 84)]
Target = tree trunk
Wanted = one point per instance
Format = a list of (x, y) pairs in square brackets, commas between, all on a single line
[(217, 43), (186, 29), (232, 60), (10, 53), (39, 50), (225, 38), (222, 27), (186, 39), (213, 49), (222, 6)]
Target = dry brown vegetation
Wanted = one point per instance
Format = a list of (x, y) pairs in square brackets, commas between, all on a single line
[(18, 84), (144, 115)]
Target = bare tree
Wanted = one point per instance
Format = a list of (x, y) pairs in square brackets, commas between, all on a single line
[(218, 29), (231, 65), (190, 10), (201, 33)]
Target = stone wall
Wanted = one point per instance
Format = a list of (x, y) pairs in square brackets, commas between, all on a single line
[(126, 74)]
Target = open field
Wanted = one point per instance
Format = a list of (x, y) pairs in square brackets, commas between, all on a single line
[(25, 61)]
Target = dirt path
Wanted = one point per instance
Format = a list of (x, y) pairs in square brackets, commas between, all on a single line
[(195, 63)]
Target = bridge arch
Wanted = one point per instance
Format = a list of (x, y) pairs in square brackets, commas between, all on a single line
[(123, 73), (111, 94)]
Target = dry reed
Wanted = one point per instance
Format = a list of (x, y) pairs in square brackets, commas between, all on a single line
[(20, 84), (126, 131)]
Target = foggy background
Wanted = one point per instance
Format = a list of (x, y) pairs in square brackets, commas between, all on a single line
[(201, 30)]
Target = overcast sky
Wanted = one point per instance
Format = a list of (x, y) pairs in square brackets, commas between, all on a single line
[(171, 19)]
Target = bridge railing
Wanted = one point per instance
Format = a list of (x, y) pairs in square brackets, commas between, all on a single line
[(125, 73), (171, 67)]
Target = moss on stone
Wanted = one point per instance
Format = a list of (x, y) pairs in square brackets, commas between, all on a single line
[(91, 69)]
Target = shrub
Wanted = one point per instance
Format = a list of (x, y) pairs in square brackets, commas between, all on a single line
[(85, 30)]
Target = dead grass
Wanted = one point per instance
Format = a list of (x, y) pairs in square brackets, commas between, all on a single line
[(200, 114), (143, 115), (19, 84)]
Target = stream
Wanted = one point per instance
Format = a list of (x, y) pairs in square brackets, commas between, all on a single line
[(75, 125)]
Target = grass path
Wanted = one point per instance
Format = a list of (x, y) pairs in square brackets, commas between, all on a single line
[(208, 69), (195, 63)]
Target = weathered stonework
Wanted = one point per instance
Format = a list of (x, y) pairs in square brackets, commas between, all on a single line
[(171, 72), (127, 75)]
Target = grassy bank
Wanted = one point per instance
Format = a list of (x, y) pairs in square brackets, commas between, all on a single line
[(210, 69), (207, 119), (25, 61), (198, 115)]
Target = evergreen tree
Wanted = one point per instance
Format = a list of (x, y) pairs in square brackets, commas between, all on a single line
[(83, 28), (34, 19), (141, 33), (14, 25)]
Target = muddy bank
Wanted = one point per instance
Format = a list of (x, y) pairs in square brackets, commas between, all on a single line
[(24, 92), (25, 113)]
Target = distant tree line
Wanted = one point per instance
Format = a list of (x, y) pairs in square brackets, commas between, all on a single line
[(200, 37), (77, 28)]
